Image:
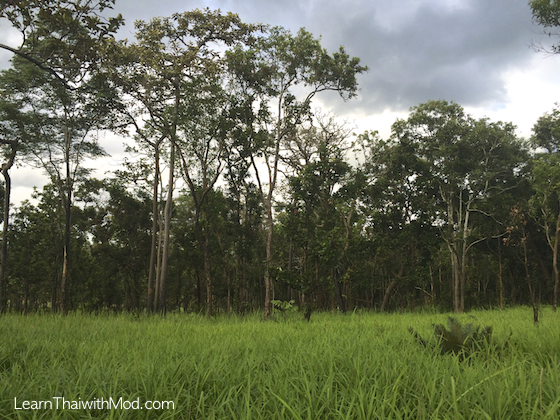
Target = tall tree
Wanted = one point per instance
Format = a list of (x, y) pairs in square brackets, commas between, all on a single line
[(398, 206), (161, 72), (67, 40), (270, 73), (322, 193), (201, 142), (14, 139), (63, 121), (467, 161)]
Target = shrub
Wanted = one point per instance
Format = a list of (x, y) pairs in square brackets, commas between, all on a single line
[(458, 339)]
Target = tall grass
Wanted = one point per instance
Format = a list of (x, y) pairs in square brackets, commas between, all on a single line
[(355, 366)]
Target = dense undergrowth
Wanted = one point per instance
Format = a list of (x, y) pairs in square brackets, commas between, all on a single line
[(353, 366)]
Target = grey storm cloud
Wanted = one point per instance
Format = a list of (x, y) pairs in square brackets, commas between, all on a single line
[(416, 49), (430, 51)]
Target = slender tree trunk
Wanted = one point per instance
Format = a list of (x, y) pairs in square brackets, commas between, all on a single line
[(462, 283), (67, 204), (534, 302), (238, 284), (500, 274), (464, 250), (5, 227), (157, 288), (268, 284), (155, 227), (267, 201), (456, 278), (207, 271), (390, 288), (168, 205), (166, 232), (337, 290), (453, 250), (387, 294), (65, 258), (54, 286)]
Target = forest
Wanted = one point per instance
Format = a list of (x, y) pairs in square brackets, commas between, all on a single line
[(239, 193)]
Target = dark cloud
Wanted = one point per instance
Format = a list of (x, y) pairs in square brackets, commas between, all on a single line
[(434, 52), (416, 49)]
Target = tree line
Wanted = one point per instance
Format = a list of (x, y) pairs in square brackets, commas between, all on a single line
[(239, 194)]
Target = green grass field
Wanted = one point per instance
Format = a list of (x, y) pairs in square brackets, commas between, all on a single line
[(353, 366)]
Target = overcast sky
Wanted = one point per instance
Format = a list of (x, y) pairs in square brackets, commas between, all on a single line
[(477, 53)]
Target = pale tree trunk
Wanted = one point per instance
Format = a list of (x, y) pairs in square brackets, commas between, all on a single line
[(166, 233), (464, 250), (390, 288), (457, 243), (208, 273), (162, 275), (553, 244), (456, 280), (155, 228), (452, 246), (153, 268), (65, 258), (67, 204), (387, 294), (267, 201), (158, 264)]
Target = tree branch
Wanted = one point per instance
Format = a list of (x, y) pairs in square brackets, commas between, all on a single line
[(38, 64)]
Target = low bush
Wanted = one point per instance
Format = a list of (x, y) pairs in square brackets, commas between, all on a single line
[(460, 340)]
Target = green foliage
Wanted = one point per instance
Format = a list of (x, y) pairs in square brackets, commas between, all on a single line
[(284, 306), (546, 132), (462, 340), (445, 168), (547, 14), (66, 38), (459, 338)]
